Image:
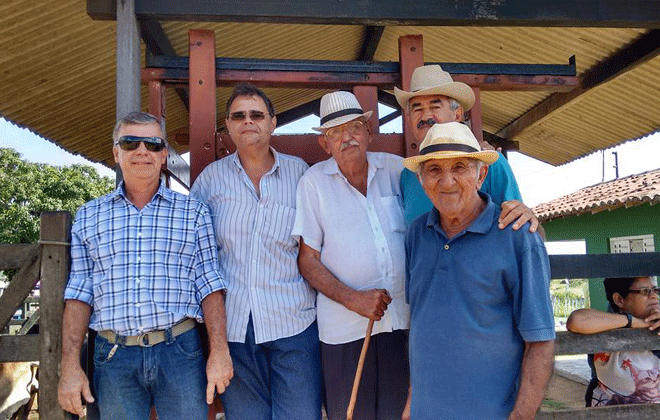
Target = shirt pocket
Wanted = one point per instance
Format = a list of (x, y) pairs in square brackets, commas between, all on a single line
[(392, 209)]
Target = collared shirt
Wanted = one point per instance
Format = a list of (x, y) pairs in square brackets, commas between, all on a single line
[(143, 270), (475, 299), (500, 184), (258, 256), (360, 240)]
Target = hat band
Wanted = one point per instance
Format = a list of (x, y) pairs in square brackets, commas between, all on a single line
[(341, 113), (448, 147)]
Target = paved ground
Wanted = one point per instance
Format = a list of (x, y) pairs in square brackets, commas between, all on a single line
[(568, 384)]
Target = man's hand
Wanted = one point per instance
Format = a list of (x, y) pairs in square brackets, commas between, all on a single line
[(370, 304), (516, 210), (406, 409), (73, 383), (219, 370)]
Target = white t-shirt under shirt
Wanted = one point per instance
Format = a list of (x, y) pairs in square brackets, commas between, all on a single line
[(360, 239)]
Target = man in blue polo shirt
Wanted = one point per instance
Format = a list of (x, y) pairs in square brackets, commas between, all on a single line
[(481, 323)]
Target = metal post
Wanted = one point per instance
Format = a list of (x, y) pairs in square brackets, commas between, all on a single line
[(411, 56), (202, 115)]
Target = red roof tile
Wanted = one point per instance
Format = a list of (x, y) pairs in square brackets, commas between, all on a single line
[(624, 192)]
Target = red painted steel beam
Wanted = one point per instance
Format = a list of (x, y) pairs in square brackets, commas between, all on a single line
[(336, 80), (367, 96), (476, 122), (306, 146), (411, 56), (202, 87)]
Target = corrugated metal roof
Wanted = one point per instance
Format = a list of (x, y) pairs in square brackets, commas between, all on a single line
[(57, 72), (630, 191)]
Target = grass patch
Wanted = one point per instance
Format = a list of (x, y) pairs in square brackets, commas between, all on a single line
[(551, 404)]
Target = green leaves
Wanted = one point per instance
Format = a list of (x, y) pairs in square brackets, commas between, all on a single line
[(28, 189)]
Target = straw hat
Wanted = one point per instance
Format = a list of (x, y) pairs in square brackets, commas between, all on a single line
[(338, 108), (432, 80), (450, 140)]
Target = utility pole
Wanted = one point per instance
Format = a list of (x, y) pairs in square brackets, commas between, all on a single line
[(616, 164)]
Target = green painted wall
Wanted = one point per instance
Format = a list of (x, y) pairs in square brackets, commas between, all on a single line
[(597, 229)]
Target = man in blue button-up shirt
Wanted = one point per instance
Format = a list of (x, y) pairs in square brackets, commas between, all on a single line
[(481, 323), (144, 266)]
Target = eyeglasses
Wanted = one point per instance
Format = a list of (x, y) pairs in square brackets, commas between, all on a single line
[(153, 144), (646, 291), (336, 133), (241, 115)]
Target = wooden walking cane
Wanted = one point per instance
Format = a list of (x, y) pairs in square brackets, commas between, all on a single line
[(358, 372)]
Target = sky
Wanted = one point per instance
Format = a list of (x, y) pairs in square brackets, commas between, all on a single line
[(539, 182)]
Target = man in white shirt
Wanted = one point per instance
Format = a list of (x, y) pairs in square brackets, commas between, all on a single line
[(349, 221), (271, 328)]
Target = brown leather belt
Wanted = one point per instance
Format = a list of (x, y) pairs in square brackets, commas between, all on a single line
[(148, 339)]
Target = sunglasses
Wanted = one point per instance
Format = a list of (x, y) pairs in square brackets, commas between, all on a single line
[(153, 144), (646, 291), (241, 115)]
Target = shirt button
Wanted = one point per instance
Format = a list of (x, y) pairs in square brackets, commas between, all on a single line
[(446, 246), (137, 281), (139, 234), (139, 259), (137, 305)]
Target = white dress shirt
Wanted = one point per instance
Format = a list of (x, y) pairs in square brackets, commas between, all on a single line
[(360, 239)]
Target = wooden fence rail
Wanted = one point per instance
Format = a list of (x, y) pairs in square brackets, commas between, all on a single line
[(47, 262)]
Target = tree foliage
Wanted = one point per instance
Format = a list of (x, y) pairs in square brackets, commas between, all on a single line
[(28, 189)]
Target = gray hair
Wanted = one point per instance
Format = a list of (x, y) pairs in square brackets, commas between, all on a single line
[(133, 118)]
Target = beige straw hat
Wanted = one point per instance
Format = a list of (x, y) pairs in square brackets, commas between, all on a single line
[(338, 108), (432, 80), (449, 140)]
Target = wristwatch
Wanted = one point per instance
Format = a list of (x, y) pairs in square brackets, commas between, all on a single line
[(630, 318)]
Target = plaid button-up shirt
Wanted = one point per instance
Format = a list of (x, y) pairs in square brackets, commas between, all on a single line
[(143, 270)]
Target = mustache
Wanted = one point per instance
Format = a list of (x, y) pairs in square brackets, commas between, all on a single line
[(428, 122), (349, 143)]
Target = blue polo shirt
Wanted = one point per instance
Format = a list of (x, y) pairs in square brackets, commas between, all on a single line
[(500, 184), (474, 300)]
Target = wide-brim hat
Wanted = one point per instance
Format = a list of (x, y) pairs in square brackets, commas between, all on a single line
[(338, 108), (447, 141), (432, 80)]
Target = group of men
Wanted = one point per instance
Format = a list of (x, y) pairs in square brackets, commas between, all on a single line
[(286, 264)]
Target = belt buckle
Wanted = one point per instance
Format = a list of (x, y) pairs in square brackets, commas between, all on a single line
[(141, 338)]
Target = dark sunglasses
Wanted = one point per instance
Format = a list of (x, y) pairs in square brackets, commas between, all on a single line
[(241, 115), (153, 144)]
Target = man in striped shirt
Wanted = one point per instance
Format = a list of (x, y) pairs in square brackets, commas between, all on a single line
[(271, 314), (144, 266)]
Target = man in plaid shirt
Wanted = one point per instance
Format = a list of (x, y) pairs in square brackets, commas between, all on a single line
[(144, 268)]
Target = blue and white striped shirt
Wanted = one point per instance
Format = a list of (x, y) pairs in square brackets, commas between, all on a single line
[(258, 255), (143, 270)]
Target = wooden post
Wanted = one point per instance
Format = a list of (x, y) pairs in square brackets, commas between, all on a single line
[(55, 236), (128, 59), (202, 114), (411, 56)]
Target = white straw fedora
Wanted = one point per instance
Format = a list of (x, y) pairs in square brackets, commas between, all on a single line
[(449, 140), (432, 80), (338, 108)]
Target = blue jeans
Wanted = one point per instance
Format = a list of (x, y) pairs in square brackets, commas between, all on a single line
[(171, 376), (278, 380)]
